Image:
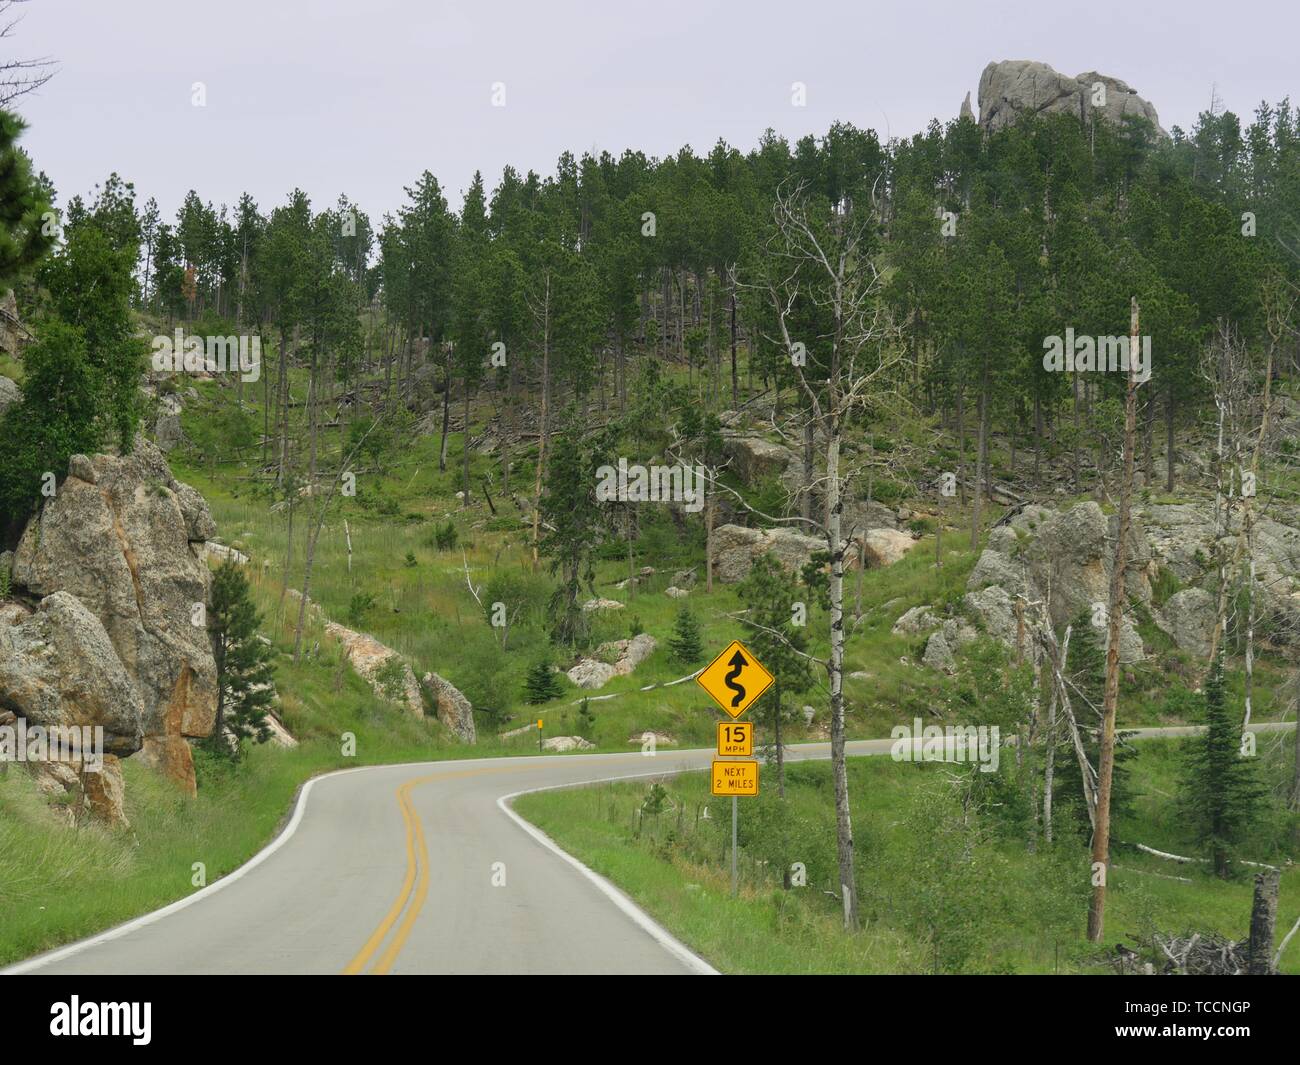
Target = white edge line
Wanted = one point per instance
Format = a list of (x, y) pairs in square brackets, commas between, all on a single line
[(661, 934), (648, 924), (39, 961)]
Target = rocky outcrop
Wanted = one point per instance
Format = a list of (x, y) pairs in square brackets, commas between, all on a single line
[(123, 537), (167, 424), (915, 621), (453, 709), (884, 547), (1188, 618), (755, 459), (10, 394), (735, 548), (1183, 538), (1016, 88), (387, 673), (941, 647), (618, 658), (567, 743), (58, 668), (859, 516), (1064, 559), (1061, 559), (211, 549), (601, 604)]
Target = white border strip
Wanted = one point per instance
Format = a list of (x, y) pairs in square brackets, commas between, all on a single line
[(660, 934), (643, 920), (41, 960), (624, 903)]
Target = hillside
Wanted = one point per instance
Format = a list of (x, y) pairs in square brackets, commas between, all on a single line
[(287, 492)]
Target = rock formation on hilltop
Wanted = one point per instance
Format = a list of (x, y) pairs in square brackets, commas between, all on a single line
[(1015, 87)]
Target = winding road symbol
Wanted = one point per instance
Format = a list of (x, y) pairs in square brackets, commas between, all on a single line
[(738, 665), (735, 679)]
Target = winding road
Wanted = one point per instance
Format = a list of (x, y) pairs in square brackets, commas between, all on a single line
[(419, 868)]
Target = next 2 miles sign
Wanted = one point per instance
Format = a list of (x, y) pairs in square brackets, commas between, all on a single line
[(735, 778)]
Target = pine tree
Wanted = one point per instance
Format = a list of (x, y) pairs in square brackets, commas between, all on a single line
[(541, 685), (90, 281), (244, 674), (55, 419), (574, 519), (24, 236), (1220, 791), (768, 593), (685, 644)]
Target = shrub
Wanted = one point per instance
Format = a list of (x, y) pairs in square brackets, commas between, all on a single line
[(445, 536), (360, 605), (685, 644), (541, 685)]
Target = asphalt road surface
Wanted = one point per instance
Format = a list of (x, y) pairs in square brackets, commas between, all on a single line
[(415, 869)]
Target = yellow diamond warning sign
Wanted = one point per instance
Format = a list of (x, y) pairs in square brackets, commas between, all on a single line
[(735, 679), (735, 778)]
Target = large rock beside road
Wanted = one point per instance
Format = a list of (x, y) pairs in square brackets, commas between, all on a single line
[(123, 536), (454, 710), (387, 673), (58, 668), (567, 743)]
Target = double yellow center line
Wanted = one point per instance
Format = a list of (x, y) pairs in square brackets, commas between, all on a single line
[(417, 877)]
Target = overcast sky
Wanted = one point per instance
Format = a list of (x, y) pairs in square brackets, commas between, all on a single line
[(360, 97)]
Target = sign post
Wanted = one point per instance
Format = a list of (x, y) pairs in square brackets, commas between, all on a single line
[(735, 680)]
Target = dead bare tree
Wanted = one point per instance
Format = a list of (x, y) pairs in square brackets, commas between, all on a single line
[(18, 77), (314, 535), (1106, 757), (820, 268), (1227, 365)]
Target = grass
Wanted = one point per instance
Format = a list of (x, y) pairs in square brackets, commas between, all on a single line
[(58, 884), (939, 891)]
